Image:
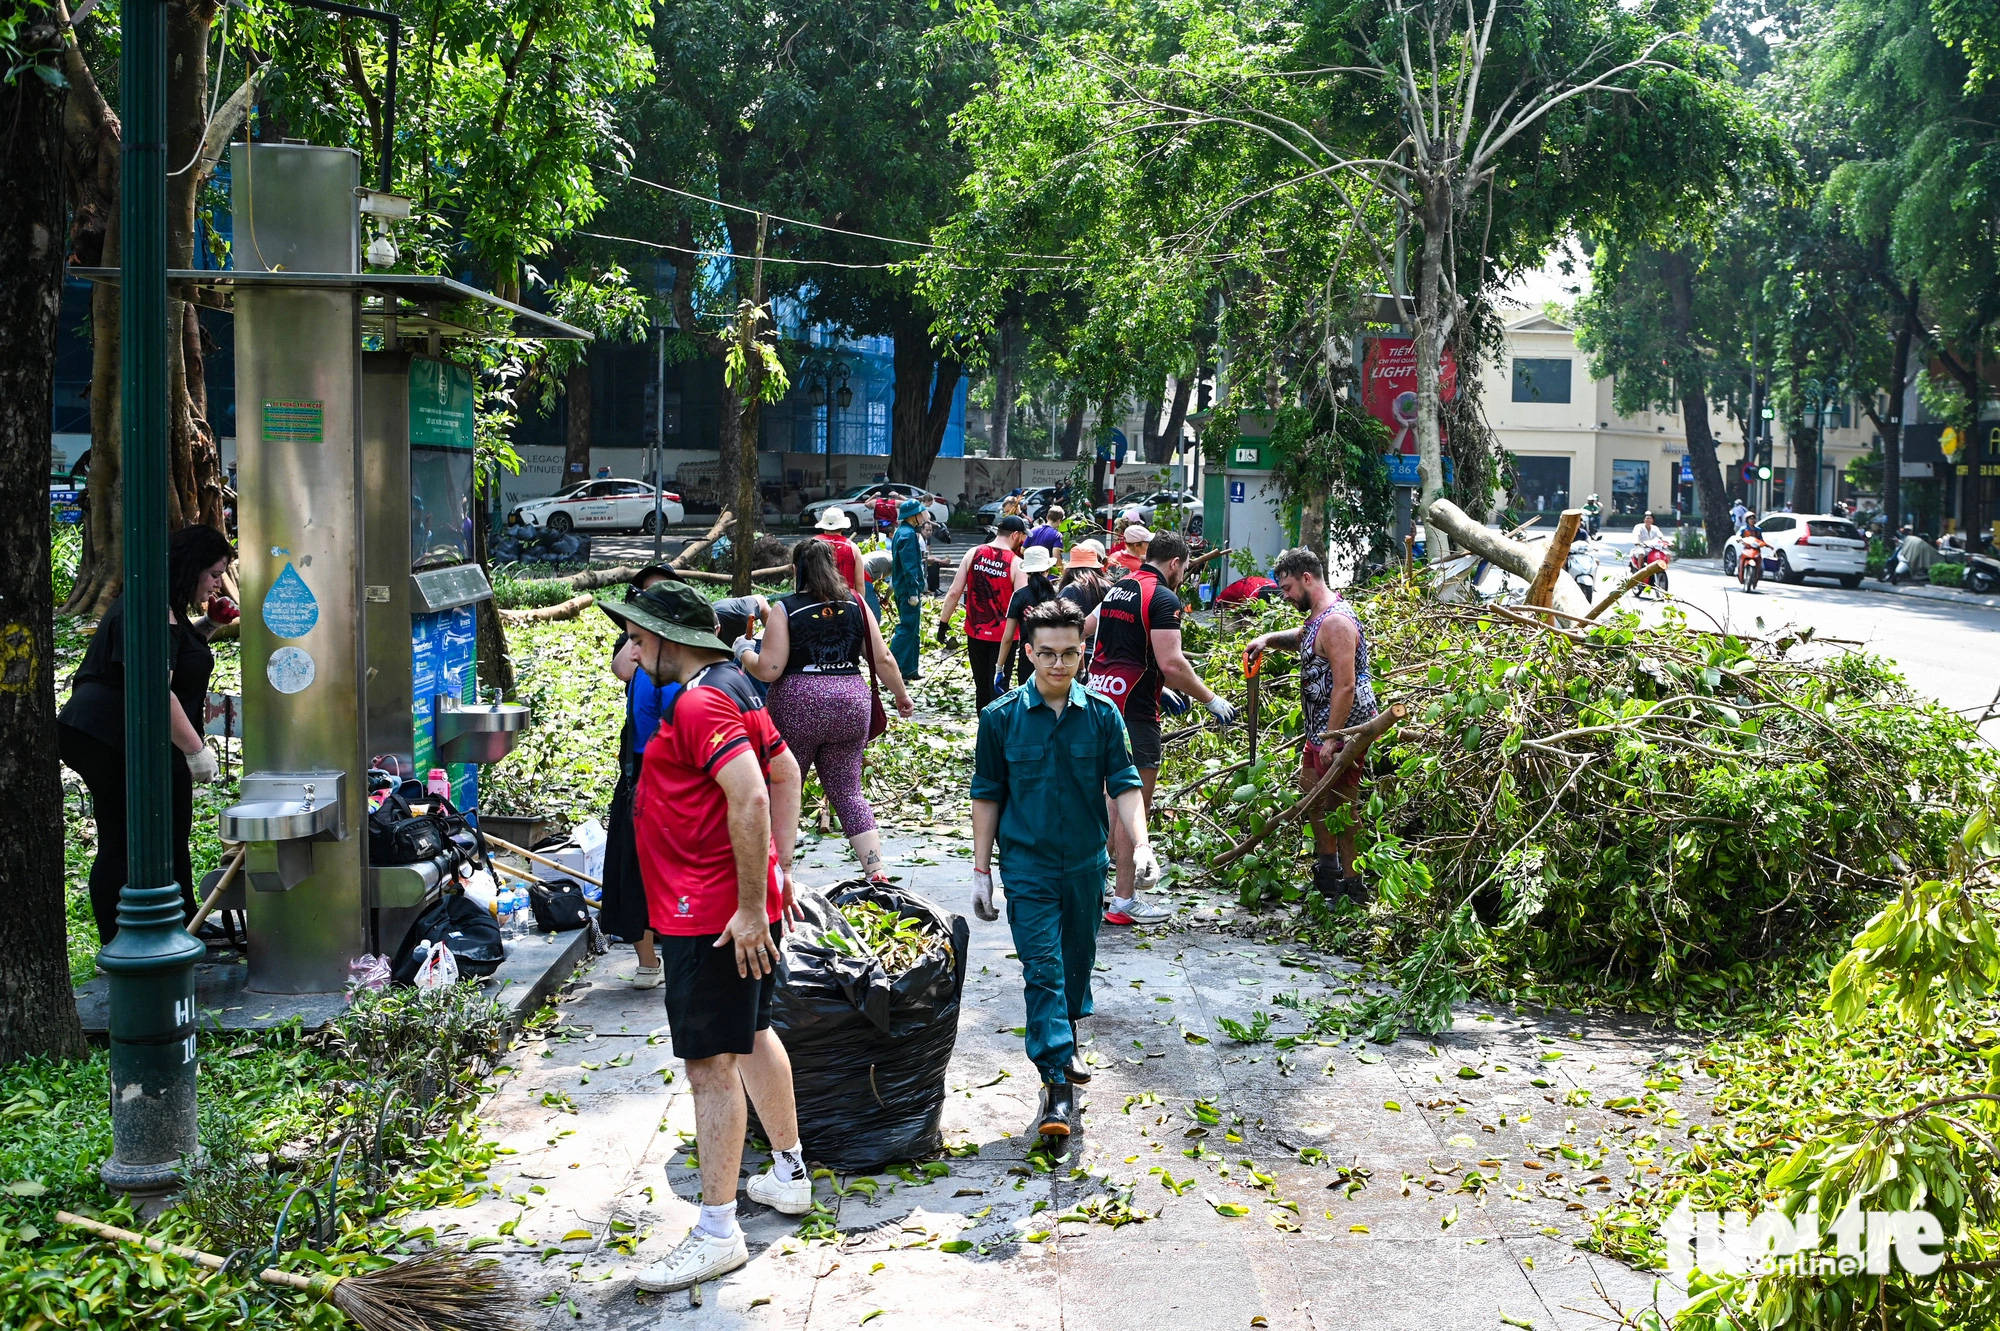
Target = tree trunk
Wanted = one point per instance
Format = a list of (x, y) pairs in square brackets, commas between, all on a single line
[(37, 1015), (1892, 429), (1677, 267), (1005, 384), (926, 383), (495, 660), (576, 421), (1162, 447), (1430, 340), (1072, 432), (194, 465), (1149, 428), (750, 392)]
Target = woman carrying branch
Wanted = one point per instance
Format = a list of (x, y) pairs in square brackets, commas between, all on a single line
[(1333, 682), (811, 657)]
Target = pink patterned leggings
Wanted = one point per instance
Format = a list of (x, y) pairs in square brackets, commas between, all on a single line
[(824, 719)]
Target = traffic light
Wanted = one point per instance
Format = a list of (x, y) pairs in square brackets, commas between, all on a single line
[(1764, 473)]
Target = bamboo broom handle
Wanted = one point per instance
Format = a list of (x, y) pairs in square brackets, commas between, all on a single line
[(513, 849), (1369, 730), (221, 886), (270, 1275)]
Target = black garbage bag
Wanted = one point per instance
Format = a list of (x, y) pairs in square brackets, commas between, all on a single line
[(869, 1051)]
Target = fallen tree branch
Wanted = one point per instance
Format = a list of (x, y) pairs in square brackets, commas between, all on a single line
[(703, 575), (1516, 557), (569, 609), (1639, 579), (1542, 590), (1351, 753), (695, 548)]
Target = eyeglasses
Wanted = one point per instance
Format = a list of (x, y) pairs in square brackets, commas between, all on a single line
[(1048, 657)]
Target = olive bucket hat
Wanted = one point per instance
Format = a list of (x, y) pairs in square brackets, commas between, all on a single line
[(674, 610)]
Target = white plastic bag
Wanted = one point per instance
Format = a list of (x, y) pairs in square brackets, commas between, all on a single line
[(439, 969), (591, 838), (367, 971), (481, 889)]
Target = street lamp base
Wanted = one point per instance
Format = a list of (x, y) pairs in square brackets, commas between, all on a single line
[(142, 1181)]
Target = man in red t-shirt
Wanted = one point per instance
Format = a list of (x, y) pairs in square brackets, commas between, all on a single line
[(716, 814), (987, 578), (833, 524)]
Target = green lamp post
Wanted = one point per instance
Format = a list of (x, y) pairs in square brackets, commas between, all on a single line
[(151, 960)]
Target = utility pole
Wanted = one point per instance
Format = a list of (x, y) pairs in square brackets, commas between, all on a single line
[(151, 960)]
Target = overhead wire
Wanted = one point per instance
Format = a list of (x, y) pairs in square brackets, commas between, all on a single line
[(810, 263)]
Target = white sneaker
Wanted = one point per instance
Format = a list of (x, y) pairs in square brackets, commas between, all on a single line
[(792, 1198), (649, 977), (1139, 910), (696, 1258)]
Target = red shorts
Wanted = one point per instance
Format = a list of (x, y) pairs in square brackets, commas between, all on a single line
[(1315, 759)]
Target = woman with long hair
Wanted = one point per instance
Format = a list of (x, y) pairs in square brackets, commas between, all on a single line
[(90, 730), (811, 657)]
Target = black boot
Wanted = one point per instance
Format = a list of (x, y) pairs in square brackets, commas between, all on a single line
[(1077, 1074), (1058, 1110), (1358, 890), (1326, 877)]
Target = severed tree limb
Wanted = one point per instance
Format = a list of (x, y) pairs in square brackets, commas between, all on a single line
[(569, 609), (695, 548), (1541, 591), (1643, 576), (703, 575), (1516, 557), (1362, 736)]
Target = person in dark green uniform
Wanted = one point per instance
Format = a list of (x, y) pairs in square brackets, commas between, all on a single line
[(906, 580), (1048, 755)]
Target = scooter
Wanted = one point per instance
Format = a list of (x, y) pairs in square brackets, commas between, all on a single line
[(1582, 566), (1750, 563), (1982, 574), (1643, 555)]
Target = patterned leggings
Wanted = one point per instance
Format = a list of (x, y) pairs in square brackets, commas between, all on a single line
[(824, 719)]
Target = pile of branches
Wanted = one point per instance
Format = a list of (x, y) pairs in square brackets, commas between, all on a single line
[(1653, 810)]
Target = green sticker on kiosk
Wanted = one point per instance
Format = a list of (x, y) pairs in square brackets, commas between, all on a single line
[(441, 414), (294, 422)]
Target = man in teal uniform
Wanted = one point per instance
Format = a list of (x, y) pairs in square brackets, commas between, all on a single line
[(906, 580), (1049, 753)]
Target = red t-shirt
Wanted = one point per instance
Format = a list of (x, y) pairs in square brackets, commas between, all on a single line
[(1123, 558), (843, 554), (679, 811), (989, 586)]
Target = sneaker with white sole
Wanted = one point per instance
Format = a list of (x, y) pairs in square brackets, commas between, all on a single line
[(649, 977), (793, 1198), (696, 1258), (1140, 910)]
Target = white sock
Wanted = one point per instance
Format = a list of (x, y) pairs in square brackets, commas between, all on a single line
[(1120, 903), (717, 1221), (789, 1164)]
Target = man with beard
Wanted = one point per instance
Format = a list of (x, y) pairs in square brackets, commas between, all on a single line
[(1336, 694)]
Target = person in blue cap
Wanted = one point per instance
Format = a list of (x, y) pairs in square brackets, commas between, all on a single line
[(906, 581)]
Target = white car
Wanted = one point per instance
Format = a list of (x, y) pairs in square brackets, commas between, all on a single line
[(1802, 545), (600, 504), (860, 504)]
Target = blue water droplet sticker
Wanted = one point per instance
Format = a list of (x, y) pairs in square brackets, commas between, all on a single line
[(289, 608)]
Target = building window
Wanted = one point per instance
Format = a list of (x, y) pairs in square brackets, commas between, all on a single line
[(1544, 483), (1537, 380), (1631, 487)]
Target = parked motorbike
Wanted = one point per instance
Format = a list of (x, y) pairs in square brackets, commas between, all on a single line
[(1982, 574), (1750, 563), (1643, 555), (1582, 566)]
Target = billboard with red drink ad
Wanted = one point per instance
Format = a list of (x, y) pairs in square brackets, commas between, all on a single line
[(1389, 387)]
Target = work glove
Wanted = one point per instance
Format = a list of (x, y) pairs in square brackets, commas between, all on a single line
[(746, 643), (221, 610), (1221, 709), (914, 601), (1000, 681), (982, 895), (944, 633), (1173, 703), (202, 765), (1145, 867)]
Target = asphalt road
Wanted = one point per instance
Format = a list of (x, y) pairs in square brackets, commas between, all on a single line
[(1949, 651)]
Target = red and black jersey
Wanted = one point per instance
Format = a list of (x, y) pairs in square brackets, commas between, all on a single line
[(1122, 666), (679, 812), (989, 586)]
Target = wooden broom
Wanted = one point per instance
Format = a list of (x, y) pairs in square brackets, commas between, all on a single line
[(441, 1290)]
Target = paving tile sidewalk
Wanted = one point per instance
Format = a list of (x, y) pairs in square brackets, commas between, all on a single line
[(1358, 1218)]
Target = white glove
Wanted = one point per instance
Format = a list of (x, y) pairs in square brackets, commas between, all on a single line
[(1220, 708), (982, 895), (202, 765), (1145, 867), (742, 645)]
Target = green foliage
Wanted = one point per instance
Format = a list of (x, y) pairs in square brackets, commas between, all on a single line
[(897, 941), (567, 762), (1332, 454), (1945, 574), (529, 587)]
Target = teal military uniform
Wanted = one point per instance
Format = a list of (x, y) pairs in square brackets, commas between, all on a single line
[(1050, 775), (906, 579)]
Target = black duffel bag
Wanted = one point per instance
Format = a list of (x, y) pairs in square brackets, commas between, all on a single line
[(460, 924), (396, 835), (869, 1051), (558, 905)]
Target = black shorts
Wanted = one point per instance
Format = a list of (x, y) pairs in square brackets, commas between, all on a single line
[(711, 1009), (1145, 737)]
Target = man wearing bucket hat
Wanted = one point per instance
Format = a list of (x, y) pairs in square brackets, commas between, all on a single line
[(906, 583), (1036, 561), (716, 814), (832, 525)]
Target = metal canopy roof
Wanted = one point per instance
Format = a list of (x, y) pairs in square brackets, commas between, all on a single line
[(420, 304)]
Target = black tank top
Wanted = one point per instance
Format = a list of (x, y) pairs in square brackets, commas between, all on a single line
[(827, 636)]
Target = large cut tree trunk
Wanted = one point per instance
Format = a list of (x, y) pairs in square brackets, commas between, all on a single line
[(37, 1015), (1005, 384), (1677, 267), (1430, 334), (576, 422), (926, 383)]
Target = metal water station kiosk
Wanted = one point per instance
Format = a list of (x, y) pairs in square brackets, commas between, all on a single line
[(356, 553)]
